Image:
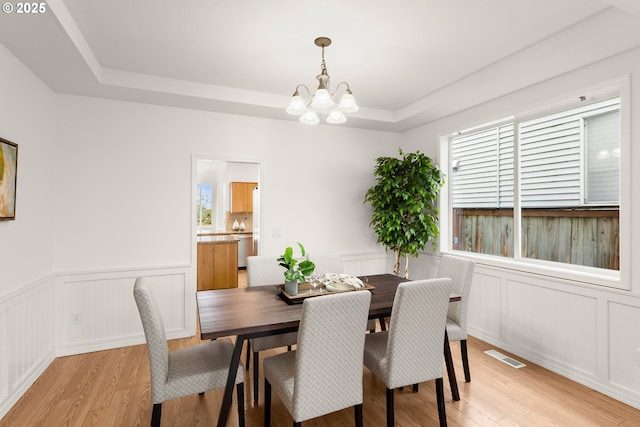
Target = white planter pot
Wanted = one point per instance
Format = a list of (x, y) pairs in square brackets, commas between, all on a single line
[(291, 288)]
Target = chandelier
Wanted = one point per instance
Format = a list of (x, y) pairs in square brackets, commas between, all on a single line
[(324, 102)]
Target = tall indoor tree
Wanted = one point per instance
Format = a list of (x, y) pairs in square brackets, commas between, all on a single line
[(404, 202)]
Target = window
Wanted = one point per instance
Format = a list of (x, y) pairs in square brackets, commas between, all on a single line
[(204, 194), (482, 197), (568, 198)]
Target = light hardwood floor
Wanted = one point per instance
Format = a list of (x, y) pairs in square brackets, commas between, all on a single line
[(112, 388)]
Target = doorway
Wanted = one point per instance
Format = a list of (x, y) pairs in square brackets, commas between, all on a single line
[(211, 204)]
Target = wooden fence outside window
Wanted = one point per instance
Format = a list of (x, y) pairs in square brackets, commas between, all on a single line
[(588, 237)]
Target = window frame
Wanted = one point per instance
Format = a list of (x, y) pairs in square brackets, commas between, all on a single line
[(618, 279)]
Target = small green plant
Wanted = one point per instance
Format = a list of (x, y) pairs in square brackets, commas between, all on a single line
[(296, 271)]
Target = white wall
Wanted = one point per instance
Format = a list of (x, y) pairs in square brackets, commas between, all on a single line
[(243, 172), (127, 181), (27, 117), (579, 329)]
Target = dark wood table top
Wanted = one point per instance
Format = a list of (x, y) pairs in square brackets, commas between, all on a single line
[(259, 310)]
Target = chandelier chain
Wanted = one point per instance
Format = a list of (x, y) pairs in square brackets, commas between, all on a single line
[(323, 67)]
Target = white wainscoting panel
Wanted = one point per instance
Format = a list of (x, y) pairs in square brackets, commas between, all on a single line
[(26, 337), (96, 311), (485, 313), (422, 267), (624, 338), (361, 264), (553, 324)]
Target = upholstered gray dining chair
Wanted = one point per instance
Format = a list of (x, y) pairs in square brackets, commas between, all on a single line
[(190, 370), (264, 270), (331, 262), (410, 351), (460, 271), (324, 373)]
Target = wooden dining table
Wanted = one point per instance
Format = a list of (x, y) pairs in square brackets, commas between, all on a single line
[(259, 311)]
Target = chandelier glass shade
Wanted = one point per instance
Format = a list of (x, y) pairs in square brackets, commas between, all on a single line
[(324, 103)]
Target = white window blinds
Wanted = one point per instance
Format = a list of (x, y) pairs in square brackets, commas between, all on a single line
[(483, 169), (602, 136)]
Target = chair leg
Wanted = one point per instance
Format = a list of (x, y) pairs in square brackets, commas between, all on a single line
[(256, 372), (390, 417), (156, 414), (415, 388), (240, 395), (248, 355), (358, 415), (297, 424), (267, 403), (442, 415), (465, 360), (383, 324), (451, 372), (201, 393)]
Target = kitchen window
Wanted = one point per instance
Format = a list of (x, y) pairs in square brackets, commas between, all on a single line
[(204, 197)]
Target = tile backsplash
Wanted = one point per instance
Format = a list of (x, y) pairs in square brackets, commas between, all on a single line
[(246, 217)]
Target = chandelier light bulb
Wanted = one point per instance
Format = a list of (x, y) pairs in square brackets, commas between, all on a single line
[(348, 103), (296, 105), (310, 117), (322, 100), (336, 117)]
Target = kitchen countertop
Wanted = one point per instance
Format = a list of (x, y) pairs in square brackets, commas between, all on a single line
[(222, 238), (225, 233)]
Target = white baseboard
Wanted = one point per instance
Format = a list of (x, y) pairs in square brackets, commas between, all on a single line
[(118, 342)]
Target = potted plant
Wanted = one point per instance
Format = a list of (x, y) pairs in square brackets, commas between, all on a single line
[(405, 215), (296, 271)]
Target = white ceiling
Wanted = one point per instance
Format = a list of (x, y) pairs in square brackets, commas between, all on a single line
[(406, 62)]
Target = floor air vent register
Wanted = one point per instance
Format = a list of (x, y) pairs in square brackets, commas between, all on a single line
[(505, 359)]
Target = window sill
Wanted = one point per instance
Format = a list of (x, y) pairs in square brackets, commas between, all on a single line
[(582, 275)]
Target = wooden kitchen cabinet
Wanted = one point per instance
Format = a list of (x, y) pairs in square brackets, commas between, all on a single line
[(242, 196), (217, 265)]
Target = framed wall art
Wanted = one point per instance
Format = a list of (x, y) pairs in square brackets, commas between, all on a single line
[(8, 178)]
